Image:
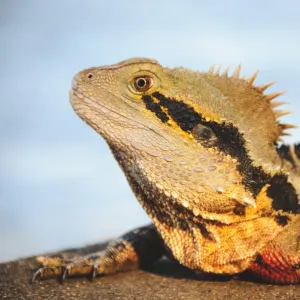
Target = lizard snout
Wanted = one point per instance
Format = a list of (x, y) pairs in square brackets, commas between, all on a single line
[(74, 84)]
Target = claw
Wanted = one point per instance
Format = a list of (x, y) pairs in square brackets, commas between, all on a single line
[(65, 273), (94, 273), (35, 276)]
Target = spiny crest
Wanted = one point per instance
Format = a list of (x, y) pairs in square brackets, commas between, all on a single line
[(282, 127), (251, 79), (236, 72), (268, 97)]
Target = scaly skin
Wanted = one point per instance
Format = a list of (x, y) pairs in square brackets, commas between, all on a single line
[(199, 151)]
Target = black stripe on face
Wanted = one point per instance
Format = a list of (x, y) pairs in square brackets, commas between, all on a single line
[(155, 108), (283, 194), (284, 152), (185, 116), (231, 142)]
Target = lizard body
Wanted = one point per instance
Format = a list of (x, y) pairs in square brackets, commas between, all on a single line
[(200, 151)]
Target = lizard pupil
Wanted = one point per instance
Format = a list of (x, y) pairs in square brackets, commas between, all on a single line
[(142, 84)]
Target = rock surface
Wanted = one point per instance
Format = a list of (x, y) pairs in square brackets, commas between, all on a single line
[(165, 280)]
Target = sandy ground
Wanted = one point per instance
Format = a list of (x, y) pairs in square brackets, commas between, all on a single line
[(165, 280)]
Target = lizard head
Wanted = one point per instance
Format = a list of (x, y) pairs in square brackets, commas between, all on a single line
[(180, 116), (128, 99), (110, 100)]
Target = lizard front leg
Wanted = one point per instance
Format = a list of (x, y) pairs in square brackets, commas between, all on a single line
[(135, 249)]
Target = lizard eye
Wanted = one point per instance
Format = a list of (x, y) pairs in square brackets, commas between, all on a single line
[(143, 84)]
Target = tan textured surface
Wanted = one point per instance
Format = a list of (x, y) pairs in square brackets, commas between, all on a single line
[(165, 281)]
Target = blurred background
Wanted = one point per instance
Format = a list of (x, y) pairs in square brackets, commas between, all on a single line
[(59, 184)]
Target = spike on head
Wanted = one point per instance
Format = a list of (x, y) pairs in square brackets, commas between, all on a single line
[(283, 127), (280, 113), (211, 70), (288, 126), (236, 72), (284, 133), (272, 96), (262, 88), (277, 103), (225, 72), (251, 79), (218, 70)]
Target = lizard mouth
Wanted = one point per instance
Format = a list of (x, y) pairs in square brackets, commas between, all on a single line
[(83, 106), (81, 102), (75, 95)]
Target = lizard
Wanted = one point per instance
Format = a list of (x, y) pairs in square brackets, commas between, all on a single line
[(202, 153)]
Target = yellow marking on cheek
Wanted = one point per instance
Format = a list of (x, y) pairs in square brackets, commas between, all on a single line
[(263, 202), (183, 134), (208, 116), (171, 123)]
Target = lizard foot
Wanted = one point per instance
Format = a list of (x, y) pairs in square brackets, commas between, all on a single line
[(134, 249), (54, 266)]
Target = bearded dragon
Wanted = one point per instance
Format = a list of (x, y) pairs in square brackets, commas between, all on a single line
[(201, 154)]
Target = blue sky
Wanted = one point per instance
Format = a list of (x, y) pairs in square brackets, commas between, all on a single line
[(59, 185)]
